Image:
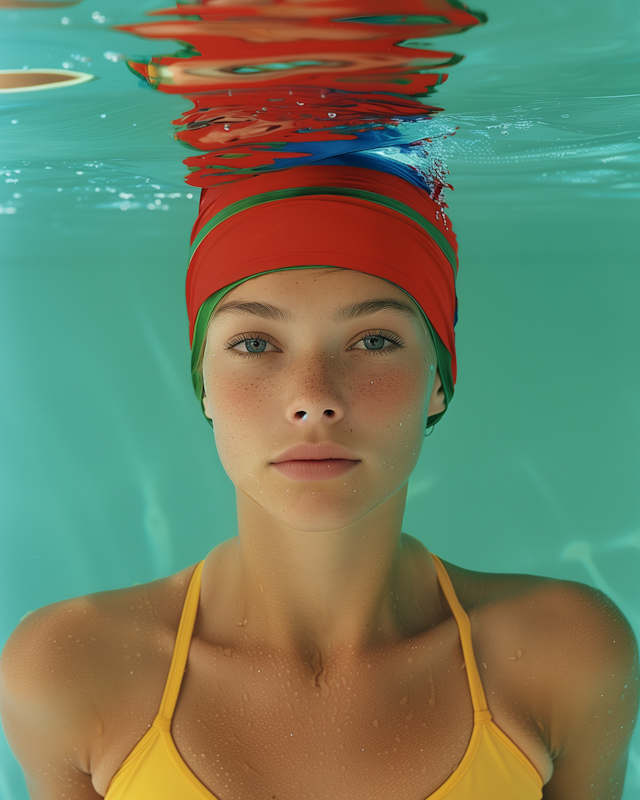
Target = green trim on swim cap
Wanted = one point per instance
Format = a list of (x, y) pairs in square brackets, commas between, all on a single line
[(305, 191), (206, 310)]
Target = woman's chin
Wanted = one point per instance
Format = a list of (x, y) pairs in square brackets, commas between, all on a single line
[(314, 507)]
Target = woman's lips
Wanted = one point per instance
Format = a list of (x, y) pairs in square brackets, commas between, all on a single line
[(315, 470)]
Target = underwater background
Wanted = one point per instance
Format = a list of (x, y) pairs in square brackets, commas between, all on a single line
[(108, 470)]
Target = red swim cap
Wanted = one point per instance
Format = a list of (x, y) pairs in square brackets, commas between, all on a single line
[(327, 216)]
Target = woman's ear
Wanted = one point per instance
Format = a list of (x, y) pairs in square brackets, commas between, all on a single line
[(207, 406), (437, 401)]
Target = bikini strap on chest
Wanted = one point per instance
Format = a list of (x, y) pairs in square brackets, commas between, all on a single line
[(180, 650), (480, 708)]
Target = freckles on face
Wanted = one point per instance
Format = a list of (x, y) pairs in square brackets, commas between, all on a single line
[(391, 399), (242, 410), (316, 379), (377, 410)]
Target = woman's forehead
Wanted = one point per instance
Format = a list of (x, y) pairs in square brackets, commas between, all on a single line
[(288, 283)]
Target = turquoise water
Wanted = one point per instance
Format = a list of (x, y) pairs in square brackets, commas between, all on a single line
[(109, 474)]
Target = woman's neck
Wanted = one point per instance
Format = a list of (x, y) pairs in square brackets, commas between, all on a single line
[(328, 595)]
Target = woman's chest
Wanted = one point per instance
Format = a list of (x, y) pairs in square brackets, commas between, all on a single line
[(262, 728), (394, 725)]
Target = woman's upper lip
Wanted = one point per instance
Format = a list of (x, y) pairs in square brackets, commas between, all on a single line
[(306, 451)]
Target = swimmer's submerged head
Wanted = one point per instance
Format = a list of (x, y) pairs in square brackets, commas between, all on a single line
[(319, 356), (324, 218)]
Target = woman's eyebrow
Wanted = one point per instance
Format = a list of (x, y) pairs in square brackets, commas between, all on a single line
[(267, 311)]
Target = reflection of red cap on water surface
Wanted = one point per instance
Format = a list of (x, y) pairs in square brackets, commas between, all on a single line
[(261, 76)]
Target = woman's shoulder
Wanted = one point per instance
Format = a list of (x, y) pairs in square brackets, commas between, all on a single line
[(76, 667), (83, 648), (540, 600), (96, 616), (564, 645), (550, 611)]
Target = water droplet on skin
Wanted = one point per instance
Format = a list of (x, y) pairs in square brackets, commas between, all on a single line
[(517, 656), (227, 127)]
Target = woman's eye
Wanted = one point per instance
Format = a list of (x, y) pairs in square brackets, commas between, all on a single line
[(374, 342), (255, 345)]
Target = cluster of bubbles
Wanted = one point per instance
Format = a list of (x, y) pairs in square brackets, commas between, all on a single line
[(101, 187)]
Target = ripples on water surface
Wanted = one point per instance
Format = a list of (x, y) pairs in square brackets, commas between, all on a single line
[(108, 474)]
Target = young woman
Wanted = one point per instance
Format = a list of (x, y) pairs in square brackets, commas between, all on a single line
[(321, 652)]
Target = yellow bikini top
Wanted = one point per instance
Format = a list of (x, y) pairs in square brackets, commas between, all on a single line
[(493, 768)]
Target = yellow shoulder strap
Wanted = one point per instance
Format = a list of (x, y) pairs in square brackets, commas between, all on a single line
[(464, 629), (181, 647)]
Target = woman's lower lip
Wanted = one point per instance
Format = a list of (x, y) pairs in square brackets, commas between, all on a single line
[(315, 470)]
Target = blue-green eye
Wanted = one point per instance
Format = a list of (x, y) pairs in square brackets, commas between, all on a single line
[(256, 344), (377, 341)]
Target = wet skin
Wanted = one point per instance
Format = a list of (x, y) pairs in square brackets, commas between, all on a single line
[(325, 661)]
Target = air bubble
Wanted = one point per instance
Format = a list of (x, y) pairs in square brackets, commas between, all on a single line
[(332, 114)]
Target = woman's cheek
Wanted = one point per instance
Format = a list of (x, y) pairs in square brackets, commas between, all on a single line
[(241, 407), (393, 396)]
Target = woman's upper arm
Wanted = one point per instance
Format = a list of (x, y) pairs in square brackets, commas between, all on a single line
[(594, 705), (44, 704)]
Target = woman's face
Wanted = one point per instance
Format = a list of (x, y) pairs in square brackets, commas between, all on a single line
[(312, 374)]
